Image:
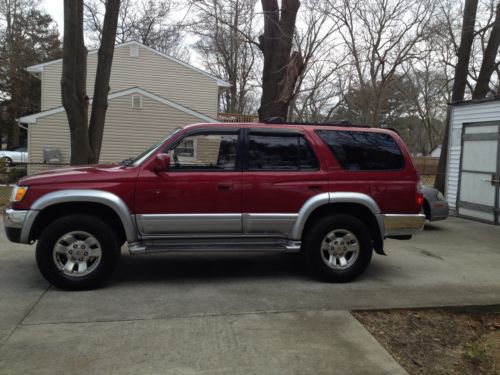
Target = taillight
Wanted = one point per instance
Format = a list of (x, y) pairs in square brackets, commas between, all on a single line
[(420, 194)]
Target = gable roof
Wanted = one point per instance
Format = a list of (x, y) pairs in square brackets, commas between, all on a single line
[(31, 119), (220, 82)]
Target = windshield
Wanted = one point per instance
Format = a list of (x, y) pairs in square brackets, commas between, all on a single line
[(140, 158)]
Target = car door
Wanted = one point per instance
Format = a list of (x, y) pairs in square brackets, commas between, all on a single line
[(281, 173), (201, 192)]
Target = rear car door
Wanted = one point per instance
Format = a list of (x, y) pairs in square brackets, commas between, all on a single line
[(281, 172)]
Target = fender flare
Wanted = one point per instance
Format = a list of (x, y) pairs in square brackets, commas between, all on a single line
[(334, 197), (78, 196)]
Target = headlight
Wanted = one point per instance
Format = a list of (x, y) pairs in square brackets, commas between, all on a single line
[(439, 196), (18, 193)]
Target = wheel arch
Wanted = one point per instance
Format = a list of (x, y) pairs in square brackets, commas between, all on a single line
[(93, 202), (358, 205)]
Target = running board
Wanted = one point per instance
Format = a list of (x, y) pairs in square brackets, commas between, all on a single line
[(211, 245)]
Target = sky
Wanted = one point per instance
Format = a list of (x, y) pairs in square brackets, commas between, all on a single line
[(56, 10)]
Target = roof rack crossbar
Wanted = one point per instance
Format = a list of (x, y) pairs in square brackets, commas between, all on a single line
[(347, 123)]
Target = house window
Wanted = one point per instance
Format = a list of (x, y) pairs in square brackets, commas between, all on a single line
[(186, 148), (134, 51), (136, 101)]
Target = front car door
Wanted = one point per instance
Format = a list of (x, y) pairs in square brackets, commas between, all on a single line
[(201, 192)]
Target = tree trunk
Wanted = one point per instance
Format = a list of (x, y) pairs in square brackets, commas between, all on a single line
[(488, 65), (459, 83), (103, 74), (280, 70), (73, 81)]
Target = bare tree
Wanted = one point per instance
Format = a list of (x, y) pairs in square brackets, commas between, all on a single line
[(148, 22), (281, 67), (459, 83), (73, 81), (319, 85), (27, 37), (380, 35), (489, 59), (226, 29)]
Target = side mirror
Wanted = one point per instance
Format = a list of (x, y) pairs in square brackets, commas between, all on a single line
[(161, 163)]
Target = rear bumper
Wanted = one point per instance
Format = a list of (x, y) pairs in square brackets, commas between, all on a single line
[(439, 210), (403, 225)]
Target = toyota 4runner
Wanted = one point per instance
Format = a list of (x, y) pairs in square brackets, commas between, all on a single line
[(332, 192)]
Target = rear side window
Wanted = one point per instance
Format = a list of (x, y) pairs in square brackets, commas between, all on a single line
[(363, 151), (280, 152)]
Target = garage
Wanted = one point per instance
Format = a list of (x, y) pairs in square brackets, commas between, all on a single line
[(473, 173)]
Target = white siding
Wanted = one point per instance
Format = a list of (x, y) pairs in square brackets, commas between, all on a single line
[(127, 133), (460, 114), (149, 71)]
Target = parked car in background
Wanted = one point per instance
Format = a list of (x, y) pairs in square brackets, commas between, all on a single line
[(16, 156), (435, 205)]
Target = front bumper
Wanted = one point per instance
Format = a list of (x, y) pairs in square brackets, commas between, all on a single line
[(403, 225), (13, 221)]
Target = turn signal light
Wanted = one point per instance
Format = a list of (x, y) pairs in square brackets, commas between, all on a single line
[(18, 193)]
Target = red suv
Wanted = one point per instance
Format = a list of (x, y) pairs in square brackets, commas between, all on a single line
[(332, 192)]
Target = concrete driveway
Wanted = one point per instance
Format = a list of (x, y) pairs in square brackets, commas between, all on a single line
[(230, 313)]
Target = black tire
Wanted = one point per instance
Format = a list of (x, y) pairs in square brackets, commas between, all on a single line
[(75, 226), (316, 257)]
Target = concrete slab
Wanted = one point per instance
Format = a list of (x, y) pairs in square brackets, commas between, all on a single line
[(21, 285), (455, 262), (286, 343)]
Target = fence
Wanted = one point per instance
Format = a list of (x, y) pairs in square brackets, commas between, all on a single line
[(427, 168), (233, 117)]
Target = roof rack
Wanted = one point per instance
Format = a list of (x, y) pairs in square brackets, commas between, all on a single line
[(279, 120)]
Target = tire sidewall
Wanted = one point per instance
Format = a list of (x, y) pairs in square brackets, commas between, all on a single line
[(314, 238), (98, 228)]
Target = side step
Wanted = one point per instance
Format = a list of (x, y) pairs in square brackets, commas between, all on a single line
[(214, 245)]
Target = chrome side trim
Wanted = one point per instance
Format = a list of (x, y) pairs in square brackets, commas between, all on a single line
[(207, 244), (88, 195), (403, 225), (164, 224), (331, 197), (268, 223), (13, 218)]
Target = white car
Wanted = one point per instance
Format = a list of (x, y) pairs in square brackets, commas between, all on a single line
[(19, 155)]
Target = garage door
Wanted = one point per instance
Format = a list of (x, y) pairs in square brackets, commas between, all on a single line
[(479, 184)]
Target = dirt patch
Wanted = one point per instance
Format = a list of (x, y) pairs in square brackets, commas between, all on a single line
[(438, 342)]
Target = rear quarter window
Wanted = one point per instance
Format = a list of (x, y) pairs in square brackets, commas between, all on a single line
[(363, 151)]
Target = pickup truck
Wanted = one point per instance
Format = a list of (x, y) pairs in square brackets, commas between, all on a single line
[(331, 192)]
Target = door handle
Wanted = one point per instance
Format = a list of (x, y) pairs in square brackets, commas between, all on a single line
[(314, 187), (225, 186)]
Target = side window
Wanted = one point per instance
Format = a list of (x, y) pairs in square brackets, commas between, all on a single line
[(280, 152), (366, 151), (205, 152)]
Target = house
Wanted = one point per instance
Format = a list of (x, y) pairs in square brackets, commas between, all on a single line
[(151, 94), (473, 172)]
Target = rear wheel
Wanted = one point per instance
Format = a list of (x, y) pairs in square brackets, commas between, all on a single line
[(77, 252), (338, 248)]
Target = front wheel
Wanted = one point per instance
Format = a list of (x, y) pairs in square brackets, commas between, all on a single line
[(77, 252), (338, 248)]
